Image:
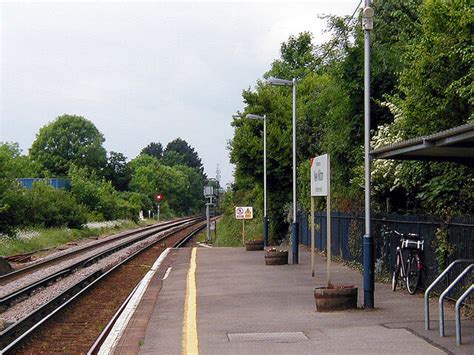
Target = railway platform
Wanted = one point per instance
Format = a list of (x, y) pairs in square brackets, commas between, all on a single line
[(226, 301)]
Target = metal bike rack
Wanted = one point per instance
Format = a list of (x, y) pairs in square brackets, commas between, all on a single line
[(435, 282), (458, 313), (445, 293)]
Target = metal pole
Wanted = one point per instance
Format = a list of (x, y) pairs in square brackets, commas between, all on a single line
[(158, 212), (458, 314), (368, 239), (312, 237), (265, 218), (328, 227), (208, 229), (294, 227), (434, 283), (445, 293)]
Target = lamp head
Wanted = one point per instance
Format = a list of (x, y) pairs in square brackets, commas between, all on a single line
[(280, 82), (255, 117)]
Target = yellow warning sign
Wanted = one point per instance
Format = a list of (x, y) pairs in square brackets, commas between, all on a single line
[(244, 212)]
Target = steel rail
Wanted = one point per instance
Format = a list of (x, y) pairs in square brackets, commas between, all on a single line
[(28, 289), (188, 237), (5, 278), (103, 336), (17, 332), (6, 301)]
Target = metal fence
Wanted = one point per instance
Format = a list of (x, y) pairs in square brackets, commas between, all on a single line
[(348, 229)]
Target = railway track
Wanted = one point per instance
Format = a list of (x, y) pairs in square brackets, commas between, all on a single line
[(68, 263), (72, 321), (48, 261)]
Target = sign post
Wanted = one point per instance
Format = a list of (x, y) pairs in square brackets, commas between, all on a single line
[(243, 213), (321, 186), (209, 194)]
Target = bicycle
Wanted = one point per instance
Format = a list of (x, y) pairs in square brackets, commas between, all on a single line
[(408, 268)]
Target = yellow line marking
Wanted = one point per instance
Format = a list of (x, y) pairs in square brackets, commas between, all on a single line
[(190, 336)]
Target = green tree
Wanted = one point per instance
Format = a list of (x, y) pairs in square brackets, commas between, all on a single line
[(153, 149), (181, 185), (15, 165), (13, 201), (436, 84), (117, 170), (186, 155), (50, 207), (99, 196), (68, 140)]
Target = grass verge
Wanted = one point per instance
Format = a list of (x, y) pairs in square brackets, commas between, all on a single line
[(44, 238)]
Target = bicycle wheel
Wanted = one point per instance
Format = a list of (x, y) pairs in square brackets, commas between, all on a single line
[(413, 273), (396, 273)]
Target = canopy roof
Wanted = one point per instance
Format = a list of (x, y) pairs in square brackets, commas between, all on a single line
[(455, 144)]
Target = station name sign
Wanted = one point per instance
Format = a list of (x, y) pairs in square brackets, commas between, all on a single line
[(319, 176)]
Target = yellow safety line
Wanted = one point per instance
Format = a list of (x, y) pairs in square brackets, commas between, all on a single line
[(190, 337)]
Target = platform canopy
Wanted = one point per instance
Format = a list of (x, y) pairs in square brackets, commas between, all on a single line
[(455, 145)]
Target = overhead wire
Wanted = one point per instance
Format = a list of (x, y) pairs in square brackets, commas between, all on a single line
[(349, 21)]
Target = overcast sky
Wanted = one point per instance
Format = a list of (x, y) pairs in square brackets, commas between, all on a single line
[(144, 72)]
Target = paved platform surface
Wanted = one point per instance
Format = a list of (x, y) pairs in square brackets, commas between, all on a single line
[(240, 301)]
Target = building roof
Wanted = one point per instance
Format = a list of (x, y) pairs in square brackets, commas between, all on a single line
[(455, 145)]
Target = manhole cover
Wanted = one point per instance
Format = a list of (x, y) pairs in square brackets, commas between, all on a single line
[(284, 337)]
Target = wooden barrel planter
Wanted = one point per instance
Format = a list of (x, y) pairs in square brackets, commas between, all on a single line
[(276, 257), (335, 298), (252, 245)]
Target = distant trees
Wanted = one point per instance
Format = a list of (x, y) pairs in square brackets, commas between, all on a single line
[(102, 186), (179, 175), (117, 170), (153, 149), (68, 140), (179, 152)]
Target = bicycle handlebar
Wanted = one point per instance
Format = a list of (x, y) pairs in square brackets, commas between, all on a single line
[(401, 235)]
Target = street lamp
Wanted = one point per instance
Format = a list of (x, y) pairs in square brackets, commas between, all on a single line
[(265, 219), (294, 227), (368, 240)]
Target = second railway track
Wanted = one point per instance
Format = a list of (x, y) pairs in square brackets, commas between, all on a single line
[(58, 257), (49, 271)]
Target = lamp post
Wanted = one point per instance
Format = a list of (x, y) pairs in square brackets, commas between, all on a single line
[(265, 218), (294, 226), (368, 240)]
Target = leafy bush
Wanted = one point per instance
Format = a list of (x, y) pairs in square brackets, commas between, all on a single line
[(100, 197), (51, 207)]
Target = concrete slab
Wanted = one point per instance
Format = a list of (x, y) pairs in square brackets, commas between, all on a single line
[(237, 293)]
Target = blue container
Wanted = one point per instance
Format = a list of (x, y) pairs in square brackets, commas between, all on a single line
[(56, 183)]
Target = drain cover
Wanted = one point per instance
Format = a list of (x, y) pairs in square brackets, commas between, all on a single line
[(284, 337)]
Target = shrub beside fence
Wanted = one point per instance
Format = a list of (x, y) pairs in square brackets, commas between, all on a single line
[(348, 229)]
